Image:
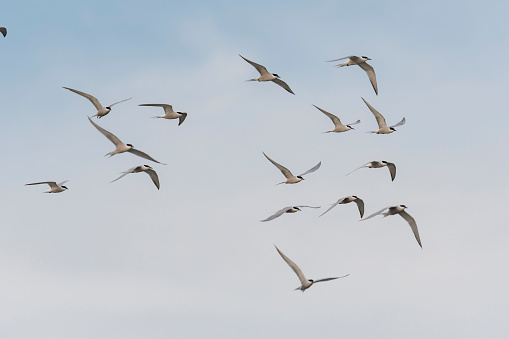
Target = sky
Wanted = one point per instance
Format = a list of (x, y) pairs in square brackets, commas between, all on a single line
[(193, 260)]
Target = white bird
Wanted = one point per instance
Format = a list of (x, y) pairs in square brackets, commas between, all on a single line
[(346, 200), (400, 209), (305, 283), (382, 125), (3, 30), (266, 76), (101, 111), (379, 164), (289, 209), (143, 168), (290, 178), (361, 62), (169, 113), (338, 126), (120, 147), (55, 188)]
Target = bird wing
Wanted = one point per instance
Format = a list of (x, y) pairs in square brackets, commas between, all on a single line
[(3, 30), (331, 116), (355, 123), (182, 117), (286, 172), (413, 225), (392, 170), (261, 69), (143, 155), (402, 122), (371, 74), (52, 184), (130, 170), (357, 169), (379, 118), (111, 137), (294, 266), (311, 169), (375, 214), (332, 206), (154, 177), (118, 102), (167, 108), (327, 279), (277, 214), (283, 84), (360, 205), (348, 57), (92, 99)]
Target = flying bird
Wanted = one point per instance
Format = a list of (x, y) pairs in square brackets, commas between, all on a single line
[(338, 126), (101, 111), (266, 76), (305, 283), (3, 30), (289, 209), (379, 164), (382, 125), (400, 209), (361, 62), (143, 168), (290, 178), (120, 147), (54, 187), (346, 200), (169, 113)]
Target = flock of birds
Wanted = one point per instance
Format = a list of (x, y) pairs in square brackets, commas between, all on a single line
[(169, 113), (339, 127)]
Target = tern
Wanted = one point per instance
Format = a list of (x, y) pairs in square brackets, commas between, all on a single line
[(400, 209), (346, 200), (3, 30), (290, 178), (101, 111), (143, 168), (338, 126), (169, 113), (55, 188), (305, 283), (379, 164), (289, 209), (361, 62), (266, 76), (382, 125), (120, 147)]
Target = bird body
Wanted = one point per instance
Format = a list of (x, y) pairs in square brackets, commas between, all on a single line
[(400, 209), (379, 164), (169, 113), (382, 125), (289, 209), (338, 126), (143, 168), (290, 178), (120, 147), (266, 76), (305, 283), (361, 62), (101, 110), (54, 187), (346, 200)]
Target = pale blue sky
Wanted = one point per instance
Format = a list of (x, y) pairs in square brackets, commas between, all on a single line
[(123, 260)]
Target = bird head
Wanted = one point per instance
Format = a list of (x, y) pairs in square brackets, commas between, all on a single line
[(301, 178), (365, 58), (130, 145), (274, 74), (64, 187)]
